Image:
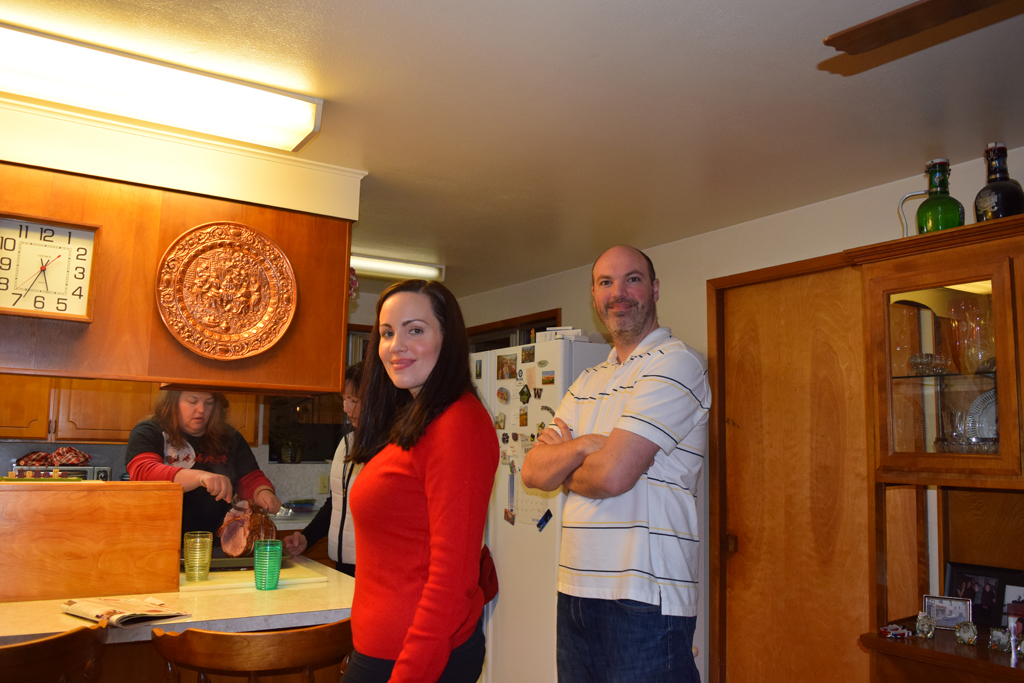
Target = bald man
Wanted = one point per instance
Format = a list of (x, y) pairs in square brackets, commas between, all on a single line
[(628, 444)]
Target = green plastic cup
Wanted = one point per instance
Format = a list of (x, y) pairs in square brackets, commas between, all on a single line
[(267, 564)]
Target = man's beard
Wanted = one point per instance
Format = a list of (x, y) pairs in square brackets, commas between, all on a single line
[(628, 326)]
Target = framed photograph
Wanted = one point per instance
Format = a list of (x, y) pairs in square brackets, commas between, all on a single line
[(1013, 595), (947, 612), (984, 586)]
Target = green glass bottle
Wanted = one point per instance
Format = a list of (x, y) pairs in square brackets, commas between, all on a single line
[(940, 210)]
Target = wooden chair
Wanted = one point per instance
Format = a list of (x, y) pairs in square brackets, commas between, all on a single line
[(305, 649), (62, 658)]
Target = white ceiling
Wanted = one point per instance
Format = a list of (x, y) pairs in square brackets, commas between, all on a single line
[(510, 140)]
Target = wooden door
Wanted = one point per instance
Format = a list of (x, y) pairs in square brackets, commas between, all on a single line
[(797, 481), (24, 407), (102, 410)]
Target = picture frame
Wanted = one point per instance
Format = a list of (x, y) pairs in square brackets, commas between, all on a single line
[(984, 586), (947, 611), (1012, 595)]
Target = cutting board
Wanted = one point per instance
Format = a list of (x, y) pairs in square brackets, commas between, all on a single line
[(290, 574)]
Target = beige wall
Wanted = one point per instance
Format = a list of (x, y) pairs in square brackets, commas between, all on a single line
[(685, 266)]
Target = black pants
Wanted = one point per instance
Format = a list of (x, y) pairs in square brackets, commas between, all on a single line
[(464, 664)]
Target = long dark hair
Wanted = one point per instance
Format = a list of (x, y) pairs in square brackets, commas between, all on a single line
[(392, 415), (218, 438)]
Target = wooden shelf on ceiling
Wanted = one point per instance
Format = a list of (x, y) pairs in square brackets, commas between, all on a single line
[(903, 22)]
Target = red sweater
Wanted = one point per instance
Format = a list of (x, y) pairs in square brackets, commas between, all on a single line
[(419, 519)]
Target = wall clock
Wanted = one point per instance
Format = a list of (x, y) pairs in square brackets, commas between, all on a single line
[(46, 268), (225, 291)]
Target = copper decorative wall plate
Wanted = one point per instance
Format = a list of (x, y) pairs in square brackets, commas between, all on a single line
[(225, 291)]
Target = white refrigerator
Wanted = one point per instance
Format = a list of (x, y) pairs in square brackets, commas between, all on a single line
[(522, 387)]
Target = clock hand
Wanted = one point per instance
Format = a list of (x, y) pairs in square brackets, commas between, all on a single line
[(43, 271), (38, 273), (22, 296)]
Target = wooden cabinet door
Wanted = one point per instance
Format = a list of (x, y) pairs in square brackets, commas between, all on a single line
[(102, 410), (916, 406), (243, 415), (797, 591), (25, 407)]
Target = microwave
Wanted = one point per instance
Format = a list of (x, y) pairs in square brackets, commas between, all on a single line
[(80, 471)]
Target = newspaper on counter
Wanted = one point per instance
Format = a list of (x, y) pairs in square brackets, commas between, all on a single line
[(121, 612)]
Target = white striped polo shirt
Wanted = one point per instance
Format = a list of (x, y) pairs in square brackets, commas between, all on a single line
[(643, 544)]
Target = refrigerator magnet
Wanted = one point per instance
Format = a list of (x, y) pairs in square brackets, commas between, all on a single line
[(547, 377), (504, 438), (524, 394), (528, 353), (524, 416), (543, 521), (548, 409), (502, 395), (542, 363), (507, 366), (499, 421), (538, 391)]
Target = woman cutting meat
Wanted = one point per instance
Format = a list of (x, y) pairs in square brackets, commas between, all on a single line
[(188, 440), (420, 502)]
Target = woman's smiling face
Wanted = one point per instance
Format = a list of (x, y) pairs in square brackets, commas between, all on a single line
[(410, 339)]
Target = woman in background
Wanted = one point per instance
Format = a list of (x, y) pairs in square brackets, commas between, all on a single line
[(334, 519), (188, 440), (420, 502)]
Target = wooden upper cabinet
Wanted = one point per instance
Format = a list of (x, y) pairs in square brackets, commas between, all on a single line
[(25, 408), (243, 415), (101, 410), (943, 345)]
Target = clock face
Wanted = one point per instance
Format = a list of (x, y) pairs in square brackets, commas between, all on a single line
[(45, 270)]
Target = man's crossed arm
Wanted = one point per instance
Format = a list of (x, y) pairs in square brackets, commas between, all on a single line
[(590, 465)]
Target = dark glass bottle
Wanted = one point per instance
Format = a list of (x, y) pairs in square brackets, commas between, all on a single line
[(1002, 196), (940, 210)]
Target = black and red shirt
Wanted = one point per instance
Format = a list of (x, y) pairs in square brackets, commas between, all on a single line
[(150, 457)]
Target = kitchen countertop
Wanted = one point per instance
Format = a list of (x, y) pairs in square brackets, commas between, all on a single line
[(293, 522), (230, 609)]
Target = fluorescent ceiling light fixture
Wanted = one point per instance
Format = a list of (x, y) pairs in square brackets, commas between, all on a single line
[(394, 270), (44, 68)]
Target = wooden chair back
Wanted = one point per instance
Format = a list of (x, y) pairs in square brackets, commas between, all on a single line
[(306, 649), (63, 658)]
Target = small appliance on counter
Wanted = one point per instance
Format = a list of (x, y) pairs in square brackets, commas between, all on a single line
[(65, 472)]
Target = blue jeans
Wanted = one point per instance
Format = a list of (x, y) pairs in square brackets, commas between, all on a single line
[(623, 641)]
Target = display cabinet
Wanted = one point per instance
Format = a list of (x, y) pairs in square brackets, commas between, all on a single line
[(945, 365)]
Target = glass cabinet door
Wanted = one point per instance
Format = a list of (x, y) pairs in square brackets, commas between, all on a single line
[(948, 342)]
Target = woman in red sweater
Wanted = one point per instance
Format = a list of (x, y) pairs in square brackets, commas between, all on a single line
[(420, 503)]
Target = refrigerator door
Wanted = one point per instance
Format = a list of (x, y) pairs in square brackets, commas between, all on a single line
[(524, 525)]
